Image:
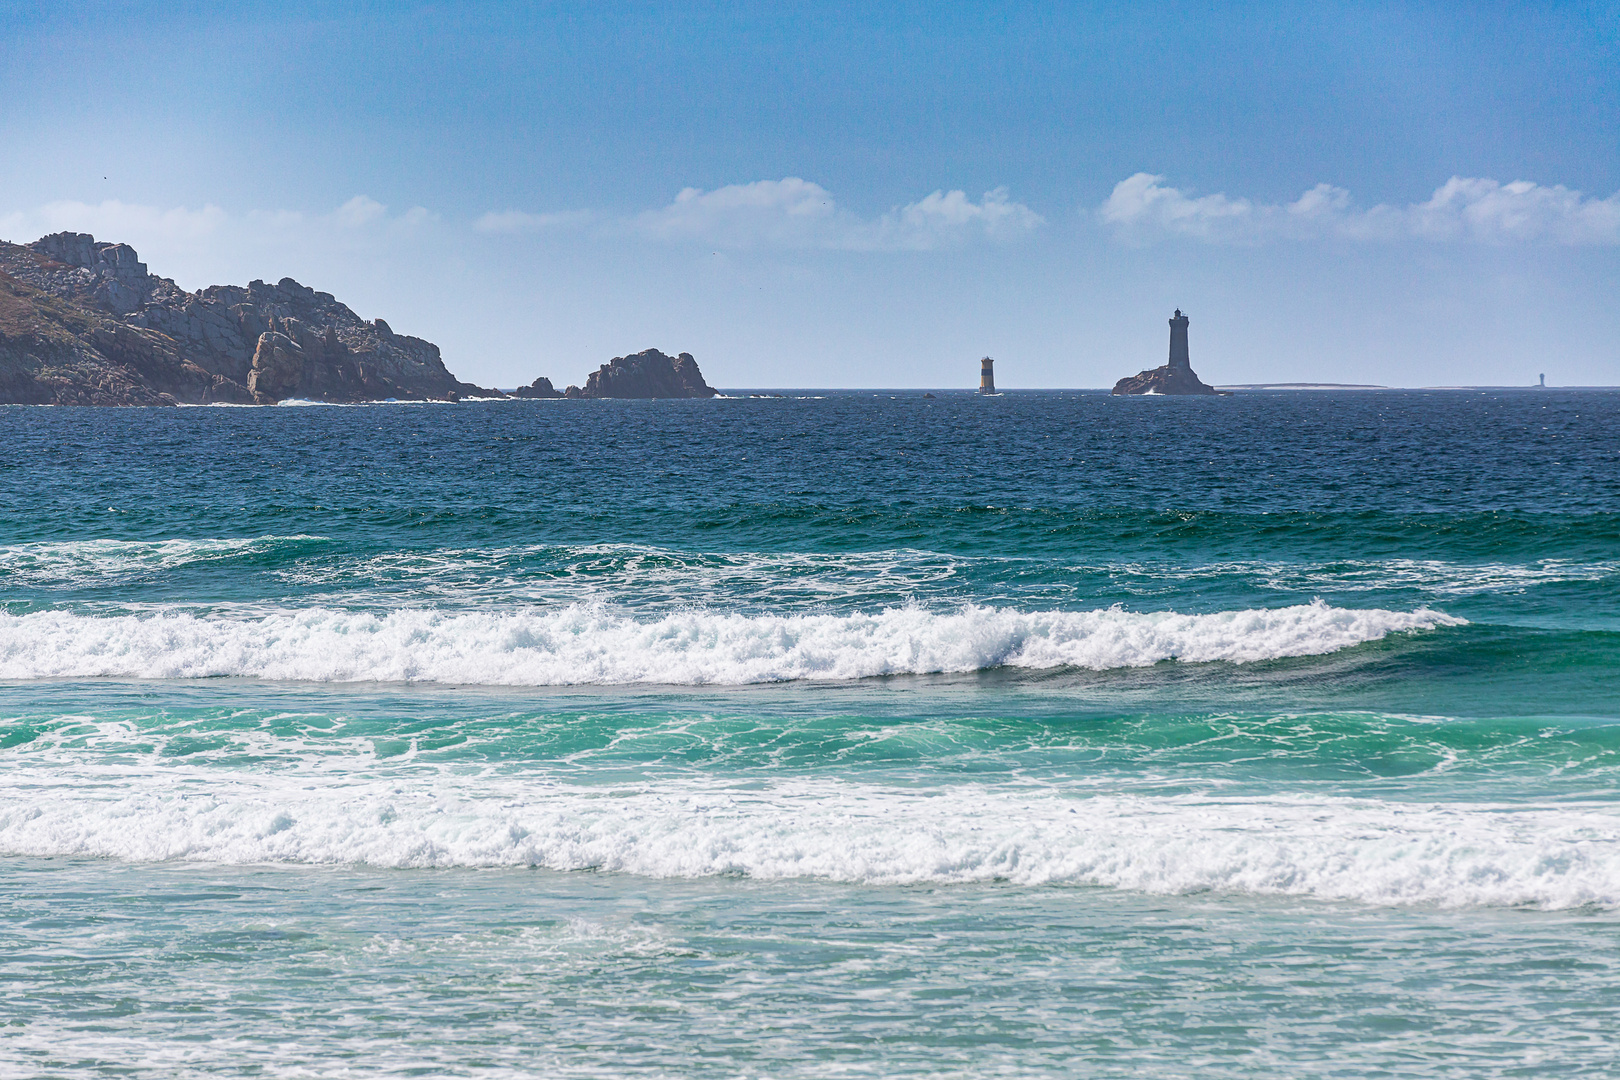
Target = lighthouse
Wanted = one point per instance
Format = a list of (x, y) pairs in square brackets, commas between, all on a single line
[(1179, 357), (987, 376), (1174, 377)]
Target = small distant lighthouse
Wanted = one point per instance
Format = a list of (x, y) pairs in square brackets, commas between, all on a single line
[(987, 376), (1179, 357)]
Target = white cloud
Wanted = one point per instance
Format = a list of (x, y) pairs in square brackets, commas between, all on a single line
[(797, 213), (362, 212), (786, 213), (948, 217), (114, 219), (1487, 210), (1142, 203), (517, 221), (1142, 207), (150, 226), (359, 211), (418, 216), (201, 247)]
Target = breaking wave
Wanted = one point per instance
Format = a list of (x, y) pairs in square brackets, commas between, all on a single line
[(586, 643), (1335, 848)]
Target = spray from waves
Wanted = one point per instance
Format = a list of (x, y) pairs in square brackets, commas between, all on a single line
[(1387, 853), (593, 644)]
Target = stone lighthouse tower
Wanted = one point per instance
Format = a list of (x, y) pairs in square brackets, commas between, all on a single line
[(1179, 357), (987, 373), (1175, 377)]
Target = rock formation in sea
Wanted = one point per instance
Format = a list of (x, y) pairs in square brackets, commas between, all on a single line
[(1176, 376), (84, 323), (540, 388), (647, 374)]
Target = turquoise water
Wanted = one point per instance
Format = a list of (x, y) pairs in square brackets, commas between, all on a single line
[(845, 734)]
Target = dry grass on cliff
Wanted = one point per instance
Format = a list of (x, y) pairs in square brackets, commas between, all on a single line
[(26, 313)]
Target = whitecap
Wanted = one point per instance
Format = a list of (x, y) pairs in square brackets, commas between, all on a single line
[(1331, 848), (593, 643)]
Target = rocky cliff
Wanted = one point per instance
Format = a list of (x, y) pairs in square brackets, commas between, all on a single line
[(647, 374), (85, 323)]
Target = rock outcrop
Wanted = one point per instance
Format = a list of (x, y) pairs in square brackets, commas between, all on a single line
[(85, 323), (1176, 376), (540, 388), (647, 374), (1166, 380)]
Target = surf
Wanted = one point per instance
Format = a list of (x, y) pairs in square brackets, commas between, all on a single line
[(595, 643), (1366, 850)]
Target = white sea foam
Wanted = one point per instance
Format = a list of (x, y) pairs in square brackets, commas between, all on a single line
[(654, 578), (1373, 851), (1430, 575), (595, 644), (308, 402), (85, 562)]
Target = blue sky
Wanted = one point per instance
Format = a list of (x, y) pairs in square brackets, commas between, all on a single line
[(861, 195)]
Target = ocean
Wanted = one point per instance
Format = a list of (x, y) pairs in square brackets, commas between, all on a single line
[(839, 734)]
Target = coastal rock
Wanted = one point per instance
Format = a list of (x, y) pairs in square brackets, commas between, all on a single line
[(278, 367), (1176, 377), (540, 388), (111, 275), (85, 323), (646, 374), (57, 351), (1166, 380)]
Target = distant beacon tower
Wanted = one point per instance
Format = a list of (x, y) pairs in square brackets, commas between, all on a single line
[(987, 375), (1544, 382), (1178, 342)]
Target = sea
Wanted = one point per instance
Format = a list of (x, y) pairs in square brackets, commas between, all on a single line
[(830, 734)]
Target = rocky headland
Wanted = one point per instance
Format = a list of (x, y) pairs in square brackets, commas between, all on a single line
[(646, 374), (85, 323)]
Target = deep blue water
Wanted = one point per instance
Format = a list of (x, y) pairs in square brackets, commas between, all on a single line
[(1051, 734)]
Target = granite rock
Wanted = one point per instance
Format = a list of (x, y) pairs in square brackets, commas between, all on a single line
[(646, 374), (1166, 380), (540, 388)]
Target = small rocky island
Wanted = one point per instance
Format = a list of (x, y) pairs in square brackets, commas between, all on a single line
[(646, 374), (1175, 377), (84, 323)]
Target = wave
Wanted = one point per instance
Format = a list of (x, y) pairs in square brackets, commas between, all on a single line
[(1334, 848), (595, 644), (89, 562), (1181, 535), (1434, 576), (340, 575)]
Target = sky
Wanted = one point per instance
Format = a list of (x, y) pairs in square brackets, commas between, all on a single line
[(861, 195)]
